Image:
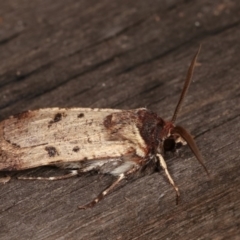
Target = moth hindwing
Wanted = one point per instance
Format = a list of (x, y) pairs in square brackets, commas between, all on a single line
[(116, 142)]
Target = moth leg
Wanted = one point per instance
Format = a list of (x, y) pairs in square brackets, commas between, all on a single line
[(72, 173), (103, 193), (164, 166)]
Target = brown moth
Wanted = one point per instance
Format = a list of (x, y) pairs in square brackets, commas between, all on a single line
[(117, 142)]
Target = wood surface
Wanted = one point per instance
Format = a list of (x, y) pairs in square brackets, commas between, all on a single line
[(127, 54)]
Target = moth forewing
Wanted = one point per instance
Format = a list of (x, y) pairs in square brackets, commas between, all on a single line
[(54, 136)]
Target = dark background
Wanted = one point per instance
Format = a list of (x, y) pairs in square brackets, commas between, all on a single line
[(127, 54)]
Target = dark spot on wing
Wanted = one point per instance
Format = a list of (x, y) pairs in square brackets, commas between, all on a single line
[(80, 115), (108, 121), (52, 151), (76, 149), (57, 118)]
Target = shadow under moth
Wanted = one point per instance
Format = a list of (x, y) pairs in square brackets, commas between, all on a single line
[(116, 142)]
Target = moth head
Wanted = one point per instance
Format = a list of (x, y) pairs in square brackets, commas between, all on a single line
[(173, 137), (173, 141)]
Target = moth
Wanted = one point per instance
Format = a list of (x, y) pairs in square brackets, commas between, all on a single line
[(111, 141)]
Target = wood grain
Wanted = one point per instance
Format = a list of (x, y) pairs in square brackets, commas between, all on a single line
[(127, 54)]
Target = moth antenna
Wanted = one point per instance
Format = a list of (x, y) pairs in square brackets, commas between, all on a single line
[(191, 143), (186, 85)]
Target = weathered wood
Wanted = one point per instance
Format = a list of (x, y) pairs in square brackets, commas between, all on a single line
[(127, 54)]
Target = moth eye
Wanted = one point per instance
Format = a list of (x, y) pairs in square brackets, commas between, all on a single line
[(178, 145), (169, 144)]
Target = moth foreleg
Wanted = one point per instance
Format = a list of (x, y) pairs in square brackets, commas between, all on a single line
[(164, 166), (103, 193), (72, 173)]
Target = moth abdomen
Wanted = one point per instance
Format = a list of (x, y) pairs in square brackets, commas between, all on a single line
[(52, 151)]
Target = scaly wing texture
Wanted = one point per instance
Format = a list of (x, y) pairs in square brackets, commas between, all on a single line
[(55, 135)]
